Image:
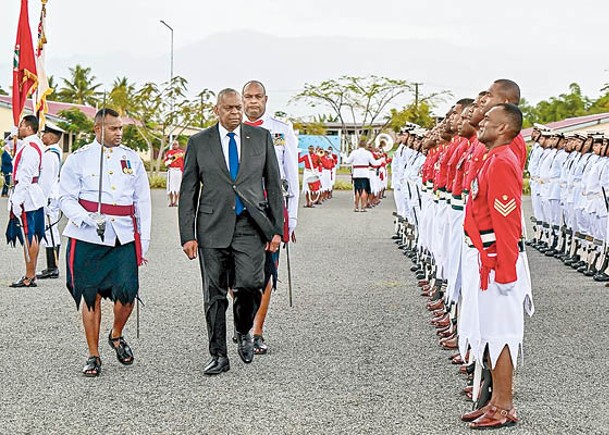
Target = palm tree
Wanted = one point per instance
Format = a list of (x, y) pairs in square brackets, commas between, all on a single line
[(121, 96), (79, 89), (52, 85)]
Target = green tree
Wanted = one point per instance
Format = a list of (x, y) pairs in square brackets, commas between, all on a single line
[(316, 126), (80, 87), (419, 114), (357, 100), (121, 97), (2, 91), (566, 105), (78, 124), (156, 118), (53, 86)]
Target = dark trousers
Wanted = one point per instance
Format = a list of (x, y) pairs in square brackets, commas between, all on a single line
[(240, 267), (7, 182)]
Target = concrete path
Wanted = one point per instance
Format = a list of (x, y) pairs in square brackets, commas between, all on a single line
[(355, 355)]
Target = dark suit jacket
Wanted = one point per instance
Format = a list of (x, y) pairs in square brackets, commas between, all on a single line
[(207, 195)]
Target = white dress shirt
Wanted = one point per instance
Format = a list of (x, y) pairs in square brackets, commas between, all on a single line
[(225, 140)]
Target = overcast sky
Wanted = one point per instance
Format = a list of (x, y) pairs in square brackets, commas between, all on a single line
[(561, 40)]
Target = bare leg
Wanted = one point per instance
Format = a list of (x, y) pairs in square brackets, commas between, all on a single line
[(121, 315), (263, 309), (364, 200), (91, 320), (503, 374), (30, 266)]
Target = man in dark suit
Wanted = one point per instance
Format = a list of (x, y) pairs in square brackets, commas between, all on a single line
[(226, 219)]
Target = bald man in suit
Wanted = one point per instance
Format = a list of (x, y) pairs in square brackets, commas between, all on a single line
[(230, 212)]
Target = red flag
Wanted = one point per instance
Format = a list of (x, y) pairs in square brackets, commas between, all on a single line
[(24, 64)]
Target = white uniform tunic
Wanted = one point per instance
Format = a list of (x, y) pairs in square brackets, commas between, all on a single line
[(361, 159), (397, 171), (27, 192), (124, 183), (49, 182), (286, 150)]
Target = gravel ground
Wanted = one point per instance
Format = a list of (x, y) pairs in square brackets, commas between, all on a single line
[(355, 355)]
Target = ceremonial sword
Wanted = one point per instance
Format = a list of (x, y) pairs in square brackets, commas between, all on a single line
[(286, 245), (98, 217)]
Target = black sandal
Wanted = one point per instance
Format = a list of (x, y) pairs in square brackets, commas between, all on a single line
[(93, 367), (260, 347), (24, 281), (124, 354)]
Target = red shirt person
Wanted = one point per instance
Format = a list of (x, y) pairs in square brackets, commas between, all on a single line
[(493, 227)]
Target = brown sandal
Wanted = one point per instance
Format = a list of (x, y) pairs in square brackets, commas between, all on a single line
[(495, 418)]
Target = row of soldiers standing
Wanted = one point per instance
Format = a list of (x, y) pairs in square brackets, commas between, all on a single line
[(568, 175), (458, 193)]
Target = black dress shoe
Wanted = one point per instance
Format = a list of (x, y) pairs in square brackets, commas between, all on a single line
[(217, 365), (414, 268), (601, 277), (550, 253), (245, 347), (48, 273)]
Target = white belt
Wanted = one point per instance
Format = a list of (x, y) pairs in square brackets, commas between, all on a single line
[(487, 240)]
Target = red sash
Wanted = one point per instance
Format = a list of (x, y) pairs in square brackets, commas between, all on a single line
[(119, 210), (18, 159)]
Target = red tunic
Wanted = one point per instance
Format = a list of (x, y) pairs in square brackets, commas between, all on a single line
[(438, 165), (175, 159), (519, 147), (314, 158), (456, 167), (428, 165), (493, 215), (473, 163), (443, 175), (327, 162)]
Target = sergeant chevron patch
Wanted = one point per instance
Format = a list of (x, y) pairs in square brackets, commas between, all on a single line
[(505, 208)]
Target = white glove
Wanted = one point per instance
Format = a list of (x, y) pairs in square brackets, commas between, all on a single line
[(16, 209), (92, 219), (505, 289), (292, 222), (145, 246)]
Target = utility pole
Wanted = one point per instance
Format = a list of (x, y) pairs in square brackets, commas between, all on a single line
[(170, 82), (416, 95)]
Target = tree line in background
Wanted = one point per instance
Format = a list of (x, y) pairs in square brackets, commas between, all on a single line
[(158, 111), (566, 105), (155, 111)]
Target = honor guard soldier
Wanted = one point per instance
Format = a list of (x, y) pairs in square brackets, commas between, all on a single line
[(174, 160), (493, 227), (108, 232), (28, 199), (7, 165), (286, 150), (49, 181), (312, 168)]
